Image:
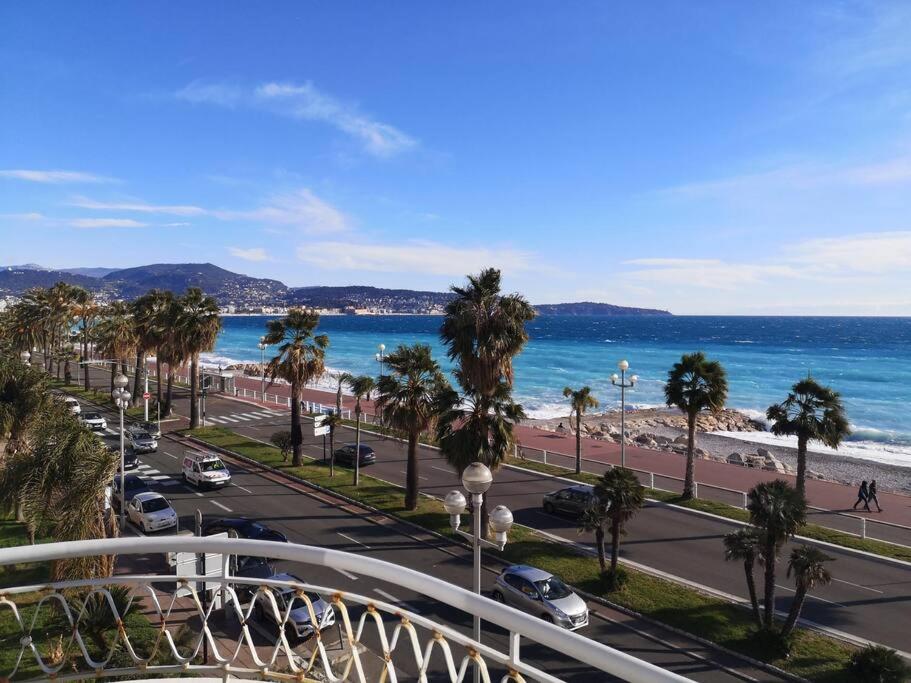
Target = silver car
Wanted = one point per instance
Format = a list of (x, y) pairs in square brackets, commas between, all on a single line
[(142, 442), (539, 592), (298, 623)]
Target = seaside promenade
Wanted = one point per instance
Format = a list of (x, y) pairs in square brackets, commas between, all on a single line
[(826, 495)]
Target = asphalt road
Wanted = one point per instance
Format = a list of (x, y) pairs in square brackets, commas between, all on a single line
[(307, 518)]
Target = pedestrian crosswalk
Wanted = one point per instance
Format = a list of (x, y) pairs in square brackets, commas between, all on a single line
[(149, 473), (236, 418)]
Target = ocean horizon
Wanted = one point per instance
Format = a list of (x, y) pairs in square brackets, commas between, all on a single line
[(866, 359)]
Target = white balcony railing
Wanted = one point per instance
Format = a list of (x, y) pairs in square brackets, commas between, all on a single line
[(376, 640)]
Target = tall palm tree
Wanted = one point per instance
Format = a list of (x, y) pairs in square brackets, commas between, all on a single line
[(341, 378), (580, 401), (408, 401), (620, 492), (301, 359), (116, 336), (777, 510), (743, 545), (695, 384), (144, 309), (808, 564), (811, 412), (197, 329), (85, 309), (169, 351), (361, 386), (155, 328)]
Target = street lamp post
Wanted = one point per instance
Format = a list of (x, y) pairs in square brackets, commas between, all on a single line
[(621, 381), (381, 357), (145, 391), (25, 357), (121, 399), (477, 479), (262, 367)]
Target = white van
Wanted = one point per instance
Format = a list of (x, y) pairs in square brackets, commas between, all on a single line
[(205, 470)]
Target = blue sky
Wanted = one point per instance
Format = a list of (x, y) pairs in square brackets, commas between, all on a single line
[(710, 157)]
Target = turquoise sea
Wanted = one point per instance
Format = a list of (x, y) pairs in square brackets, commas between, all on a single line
[(867, 359)]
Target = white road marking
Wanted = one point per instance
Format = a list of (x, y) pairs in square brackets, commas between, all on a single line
[(384, 594), (857, 585), (242, 488), (170, 482), (216, 420), (160, 477), (223, 507), (149, 470), (170, 455), (229, 419), (240, 417), (252, 416), (344, 573), (198, 493), (406, 472), (441, 469), (353, 540), (814, 597)]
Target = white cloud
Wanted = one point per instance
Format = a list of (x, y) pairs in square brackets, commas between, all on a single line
[(306, 103), (32, 216), (54, 177), (300, 209), (711, 274), (867, 253), (140, 207), (411, 257), (252, 254), (106, 223)]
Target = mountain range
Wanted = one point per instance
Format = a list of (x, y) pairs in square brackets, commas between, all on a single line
[(249, 293)]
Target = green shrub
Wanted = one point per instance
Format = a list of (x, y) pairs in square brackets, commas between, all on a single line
[(878, 664)]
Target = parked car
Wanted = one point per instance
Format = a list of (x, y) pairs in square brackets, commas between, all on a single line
[(572, 500), (151, 512), (133, 486), (345, 455), (250, 568), (241, 527), (539, 592), (205, 470), (73, 404), (94, 421), (298, 623), (142, 442)]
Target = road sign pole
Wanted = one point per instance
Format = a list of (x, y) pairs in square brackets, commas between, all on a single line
[(324, 448)]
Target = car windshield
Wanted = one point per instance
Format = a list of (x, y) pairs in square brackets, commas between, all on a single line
[(288, 593), (149, 427), (365, 450), (92, 416), (211, 465), (552, 588), (155, 504), (143, 435)]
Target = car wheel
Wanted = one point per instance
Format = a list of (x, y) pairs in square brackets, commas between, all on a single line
[(498, 596), (549, 508), (546, 617), (142, 525)]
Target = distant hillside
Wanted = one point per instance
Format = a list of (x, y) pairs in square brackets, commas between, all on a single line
[(90, 272), (592, 308), (225, 286), (360, 296), (16, 281)]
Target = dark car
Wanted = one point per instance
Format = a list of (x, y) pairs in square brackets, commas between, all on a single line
[(242, 528), (250, 568), (130, 457), (345, 455), (572, 500), (133, 485)]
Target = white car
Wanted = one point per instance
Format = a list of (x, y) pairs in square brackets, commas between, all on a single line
[(94, 421), (205, 470), (151, 512), (73, 404)]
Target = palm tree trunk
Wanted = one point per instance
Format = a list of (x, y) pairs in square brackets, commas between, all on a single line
[(332, 449), (194, 388), (297, 436), (599, 542), (768, 606), (802, 466), (690, 456), (796, 606), (578, 442), (751, 587), (170, 392), (357, 442), (139, 360), (411, 478), (85, 353), (614, 545), (67, 372), (158, 378)]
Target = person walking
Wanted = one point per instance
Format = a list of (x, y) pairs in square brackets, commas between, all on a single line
[(871, 495), (863, 493)]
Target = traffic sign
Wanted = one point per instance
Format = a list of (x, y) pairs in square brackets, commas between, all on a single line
[(146, 395), (319, 419), (320, 431)]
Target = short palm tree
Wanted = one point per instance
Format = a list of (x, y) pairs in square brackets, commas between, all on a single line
[(808, 564), (743, 545), (620, 492), (777, 510), (361, 386), (594, 520), (197, 329), (695, 384), (301, 359), (408, 400), (24, 397), (333, 422), (580, 401), (811, 412)]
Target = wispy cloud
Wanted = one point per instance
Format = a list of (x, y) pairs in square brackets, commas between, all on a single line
[(106, 223), (412, 257), (54, 177), (252, 254), (304, 102), (876, 253), (139, 207)]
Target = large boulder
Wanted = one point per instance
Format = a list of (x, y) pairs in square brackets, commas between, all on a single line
[(681, 440), (736, 458)]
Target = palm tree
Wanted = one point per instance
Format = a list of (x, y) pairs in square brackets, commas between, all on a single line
[(594, 520), (743, 545), (146, 311), (116, 336), (197, 329), (301, 359), (810, 412), (693, 385), (620, 492), (24, 397), (169, 350), (580, 401), (333, 422), (777, 510), (85, 309), (361, 386), (408, 400), (808, 564), (342, 378), (156, 329)]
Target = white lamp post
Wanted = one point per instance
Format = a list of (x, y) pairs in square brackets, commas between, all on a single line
[(477, 479), (381, 357), (121, 399), (145, 391), (262, 367), (624, 384), (25, 357)]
